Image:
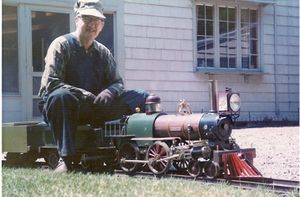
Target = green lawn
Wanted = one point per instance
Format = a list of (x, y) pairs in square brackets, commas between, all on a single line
[(38, 182)]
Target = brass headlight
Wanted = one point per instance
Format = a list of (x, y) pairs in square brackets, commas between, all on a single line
[(235, 102)]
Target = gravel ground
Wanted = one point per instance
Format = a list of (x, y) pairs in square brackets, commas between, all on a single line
[(277, 150)]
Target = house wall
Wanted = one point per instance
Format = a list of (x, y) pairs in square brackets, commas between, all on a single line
[(281, 43), (159, 51), (160, 57), (155, 50)]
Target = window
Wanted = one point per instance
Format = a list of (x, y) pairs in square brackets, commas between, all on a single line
[(46, 26), (205, 36), (249, 40), (227, 38), (10, 61), (106, 36)]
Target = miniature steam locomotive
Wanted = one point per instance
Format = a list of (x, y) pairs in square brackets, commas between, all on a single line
[(199, 143)]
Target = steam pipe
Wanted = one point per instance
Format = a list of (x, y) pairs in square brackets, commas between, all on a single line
[(213, 88)]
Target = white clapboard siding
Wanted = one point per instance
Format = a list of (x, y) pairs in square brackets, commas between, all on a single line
[(12, 110), (155, 51), (159, 57)]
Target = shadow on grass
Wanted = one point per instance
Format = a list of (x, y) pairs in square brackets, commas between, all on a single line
[(77, 168)]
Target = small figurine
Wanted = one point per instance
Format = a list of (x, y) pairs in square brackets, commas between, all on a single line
[(184, 107)]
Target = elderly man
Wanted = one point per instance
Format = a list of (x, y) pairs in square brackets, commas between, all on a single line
[(81, 83)]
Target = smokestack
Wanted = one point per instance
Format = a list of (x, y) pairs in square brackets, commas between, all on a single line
[(213, 89)]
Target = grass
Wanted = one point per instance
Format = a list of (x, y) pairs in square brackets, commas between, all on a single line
[(37, 182)]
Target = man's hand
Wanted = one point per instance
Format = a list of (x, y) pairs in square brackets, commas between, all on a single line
[(91, 97), (104, 98)]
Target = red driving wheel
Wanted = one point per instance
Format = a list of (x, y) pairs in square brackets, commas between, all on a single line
[(157, 158)]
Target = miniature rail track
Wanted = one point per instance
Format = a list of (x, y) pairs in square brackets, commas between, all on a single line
[(277, 186)]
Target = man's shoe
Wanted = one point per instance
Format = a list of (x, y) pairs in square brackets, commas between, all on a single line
[(63, 166)]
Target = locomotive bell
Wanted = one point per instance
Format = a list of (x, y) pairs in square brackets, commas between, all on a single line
[(152, 104)]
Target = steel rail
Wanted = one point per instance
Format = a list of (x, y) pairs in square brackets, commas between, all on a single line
[(277, 186)]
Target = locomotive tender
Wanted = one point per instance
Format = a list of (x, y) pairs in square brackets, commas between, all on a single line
[(196, 142)]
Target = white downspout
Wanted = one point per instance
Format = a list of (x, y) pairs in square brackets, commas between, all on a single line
[(277, 111)]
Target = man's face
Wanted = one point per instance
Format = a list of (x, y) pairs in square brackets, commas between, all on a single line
[(89, 26)]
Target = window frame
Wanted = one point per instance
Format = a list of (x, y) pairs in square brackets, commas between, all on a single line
[(18, 75), (217, 68)]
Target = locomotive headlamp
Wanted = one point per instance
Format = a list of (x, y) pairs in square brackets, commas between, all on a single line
[(229, 102), (235, 102)]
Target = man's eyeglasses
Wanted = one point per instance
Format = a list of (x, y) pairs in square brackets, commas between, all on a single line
[(91, 19)]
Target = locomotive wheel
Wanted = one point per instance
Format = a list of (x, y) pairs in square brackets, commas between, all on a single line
[(159, 150), (211, 169), (129, 151), (86, 164), (194, 168), (181, 165), (52, 159)]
